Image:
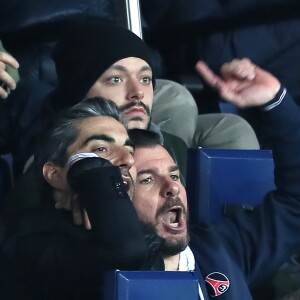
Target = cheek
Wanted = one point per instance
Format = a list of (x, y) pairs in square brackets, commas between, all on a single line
[(114, 93), (144, 207), (133, 173), (183, 197), (148, 97)]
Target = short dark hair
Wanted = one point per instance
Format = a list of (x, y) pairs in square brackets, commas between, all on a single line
[(144, 138), (62, 132)]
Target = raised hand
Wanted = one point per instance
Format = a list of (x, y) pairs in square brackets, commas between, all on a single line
[(7, 83), (241, 82)]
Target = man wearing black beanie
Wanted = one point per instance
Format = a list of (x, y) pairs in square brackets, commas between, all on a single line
[(87, 61), (87, 49)]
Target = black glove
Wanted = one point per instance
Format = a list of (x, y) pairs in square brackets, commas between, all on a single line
[(99, 185)]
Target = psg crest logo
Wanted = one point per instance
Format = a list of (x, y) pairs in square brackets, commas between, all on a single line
[(217, 284)]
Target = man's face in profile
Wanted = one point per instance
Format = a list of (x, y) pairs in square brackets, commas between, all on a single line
[(107, 138)]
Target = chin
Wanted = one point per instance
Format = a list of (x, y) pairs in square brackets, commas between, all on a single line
[(174, 246), (137, 123)]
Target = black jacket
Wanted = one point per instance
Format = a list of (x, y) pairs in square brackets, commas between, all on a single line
[(48, 257)]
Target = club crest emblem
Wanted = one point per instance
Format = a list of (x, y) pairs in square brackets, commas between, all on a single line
[(217, 284)]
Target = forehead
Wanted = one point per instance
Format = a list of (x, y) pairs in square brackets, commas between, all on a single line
[(150, 157), (99, 125), (131, 64)]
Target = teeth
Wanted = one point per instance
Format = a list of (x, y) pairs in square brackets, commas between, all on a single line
[(174, 225)]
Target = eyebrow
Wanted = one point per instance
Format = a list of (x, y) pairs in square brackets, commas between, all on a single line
[(129, 143), (124, 69), (155, 170), (103, 137), (106, 138), (173, 168)]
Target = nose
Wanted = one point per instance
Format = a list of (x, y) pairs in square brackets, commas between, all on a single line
[(170, 188), (124, 158), (134, 90)]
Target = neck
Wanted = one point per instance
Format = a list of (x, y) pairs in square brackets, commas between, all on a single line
[(171, 262)]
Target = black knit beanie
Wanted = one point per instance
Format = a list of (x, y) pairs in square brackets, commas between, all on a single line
[(89, 47)]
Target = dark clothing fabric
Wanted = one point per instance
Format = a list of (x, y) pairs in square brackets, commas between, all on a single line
[(251, 245), (48, 257), (21, 122), (30, 37), (217, 31), (48, 250)]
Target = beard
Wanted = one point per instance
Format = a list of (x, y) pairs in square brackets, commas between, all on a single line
[(174, 244), (171, 248)]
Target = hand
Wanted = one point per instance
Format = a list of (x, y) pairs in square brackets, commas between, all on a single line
[(241, 82), (80, 216), (71, 203), (6, 81)]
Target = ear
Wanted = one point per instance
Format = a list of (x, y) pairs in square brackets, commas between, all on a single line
[(55, 176)]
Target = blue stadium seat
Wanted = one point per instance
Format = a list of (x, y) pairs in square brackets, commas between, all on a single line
[(220, 180), (149, 285)]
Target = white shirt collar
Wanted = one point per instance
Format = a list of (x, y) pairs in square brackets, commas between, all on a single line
[(187, 263)]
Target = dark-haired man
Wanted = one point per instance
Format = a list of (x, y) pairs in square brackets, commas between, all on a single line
[(236, 254), (84, 159)]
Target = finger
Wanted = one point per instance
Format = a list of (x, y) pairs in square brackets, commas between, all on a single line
[(240, 95), (7, 79), (76, 211), (232, 97), (8, 59), (86, 221), (239, 68), (3, 93), (207, 74), (2, 65)]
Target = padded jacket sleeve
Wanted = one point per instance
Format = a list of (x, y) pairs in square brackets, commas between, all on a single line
[(256, 243)]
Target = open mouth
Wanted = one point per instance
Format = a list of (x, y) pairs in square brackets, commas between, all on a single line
[(174, 219), (174, 216), (127, 183), (127, 179)]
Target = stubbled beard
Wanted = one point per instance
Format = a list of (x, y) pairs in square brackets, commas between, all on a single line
[(171, 246)]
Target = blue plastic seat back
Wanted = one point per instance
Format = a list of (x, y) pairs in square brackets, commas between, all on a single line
[(218, 180), (151, 285)]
